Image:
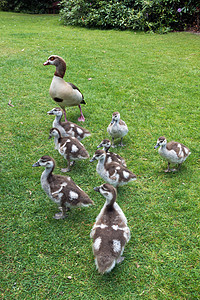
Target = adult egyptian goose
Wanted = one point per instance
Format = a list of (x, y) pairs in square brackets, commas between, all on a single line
[(69, 147), (111, 156), (173, 152), (67, 128), (62, 92), (117, 128), (113, 173), (61, 189), (110, 232)]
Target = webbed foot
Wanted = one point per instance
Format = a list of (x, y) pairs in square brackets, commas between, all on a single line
[(120, 259), (59, 216), (170, 170), (64, 170), (81, 119)]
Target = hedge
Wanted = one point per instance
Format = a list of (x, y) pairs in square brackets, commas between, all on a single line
[(150, 15)]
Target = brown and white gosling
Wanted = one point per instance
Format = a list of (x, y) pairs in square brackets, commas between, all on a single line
[(110, 232), (117, 128), (69, 147), (67, 128), (173, 152), (113, 173), (62, 92), (61, 189), (111, 156)]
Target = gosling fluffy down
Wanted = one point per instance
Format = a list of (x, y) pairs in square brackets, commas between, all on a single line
[(173, 152), (67, 128), (117, 128), (61, 189), (113, 173), (110, 232)]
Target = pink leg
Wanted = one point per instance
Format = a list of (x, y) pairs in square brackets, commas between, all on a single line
[(65, 115), (81, 118)]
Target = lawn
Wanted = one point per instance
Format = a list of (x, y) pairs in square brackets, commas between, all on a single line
[(154, 82)]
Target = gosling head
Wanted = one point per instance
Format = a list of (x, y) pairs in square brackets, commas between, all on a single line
[(105, 144), (160, 142), (98, 155), (115, 117), (55, 111), (45, 161), (54, 132), (107, 191)]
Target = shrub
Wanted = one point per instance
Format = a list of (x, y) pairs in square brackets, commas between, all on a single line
[(28, 6), (149, 15)]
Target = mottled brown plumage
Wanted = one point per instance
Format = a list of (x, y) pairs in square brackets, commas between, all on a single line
[(111, 156), (67, 128), (113, 173), (69, 147), (117, 128), (61, 189), (110, 232), (173, 152)]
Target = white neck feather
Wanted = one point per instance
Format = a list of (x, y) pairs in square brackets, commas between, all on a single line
[(45, 174), (56, 142), (100, 164), (57, 119)]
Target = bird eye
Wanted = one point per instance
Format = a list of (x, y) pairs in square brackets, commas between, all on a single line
[(51, 58)]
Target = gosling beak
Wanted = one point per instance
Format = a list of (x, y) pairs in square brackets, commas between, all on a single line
[(50, 112), (96, 189), (99, 146), (156, 146), (92, 159), (36, 164)]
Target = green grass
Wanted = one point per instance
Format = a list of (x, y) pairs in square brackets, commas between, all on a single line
[(153, 81)]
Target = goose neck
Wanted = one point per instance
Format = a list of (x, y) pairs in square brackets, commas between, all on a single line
[(163, 147), (46, 173), (101, 163), (106, 149), (60, 70), (110, 201), (57, 119), (56, 141)]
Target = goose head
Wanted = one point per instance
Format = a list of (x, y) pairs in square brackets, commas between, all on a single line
[(106, 144), (55, 111), (54, 60), (160, 142), (98, 155), (54, 132), (59, 62), (45, 161), (115, 117), (107, 191)]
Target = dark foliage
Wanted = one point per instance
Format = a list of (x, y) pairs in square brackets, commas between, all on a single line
[(28, 6), (153, 15)]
